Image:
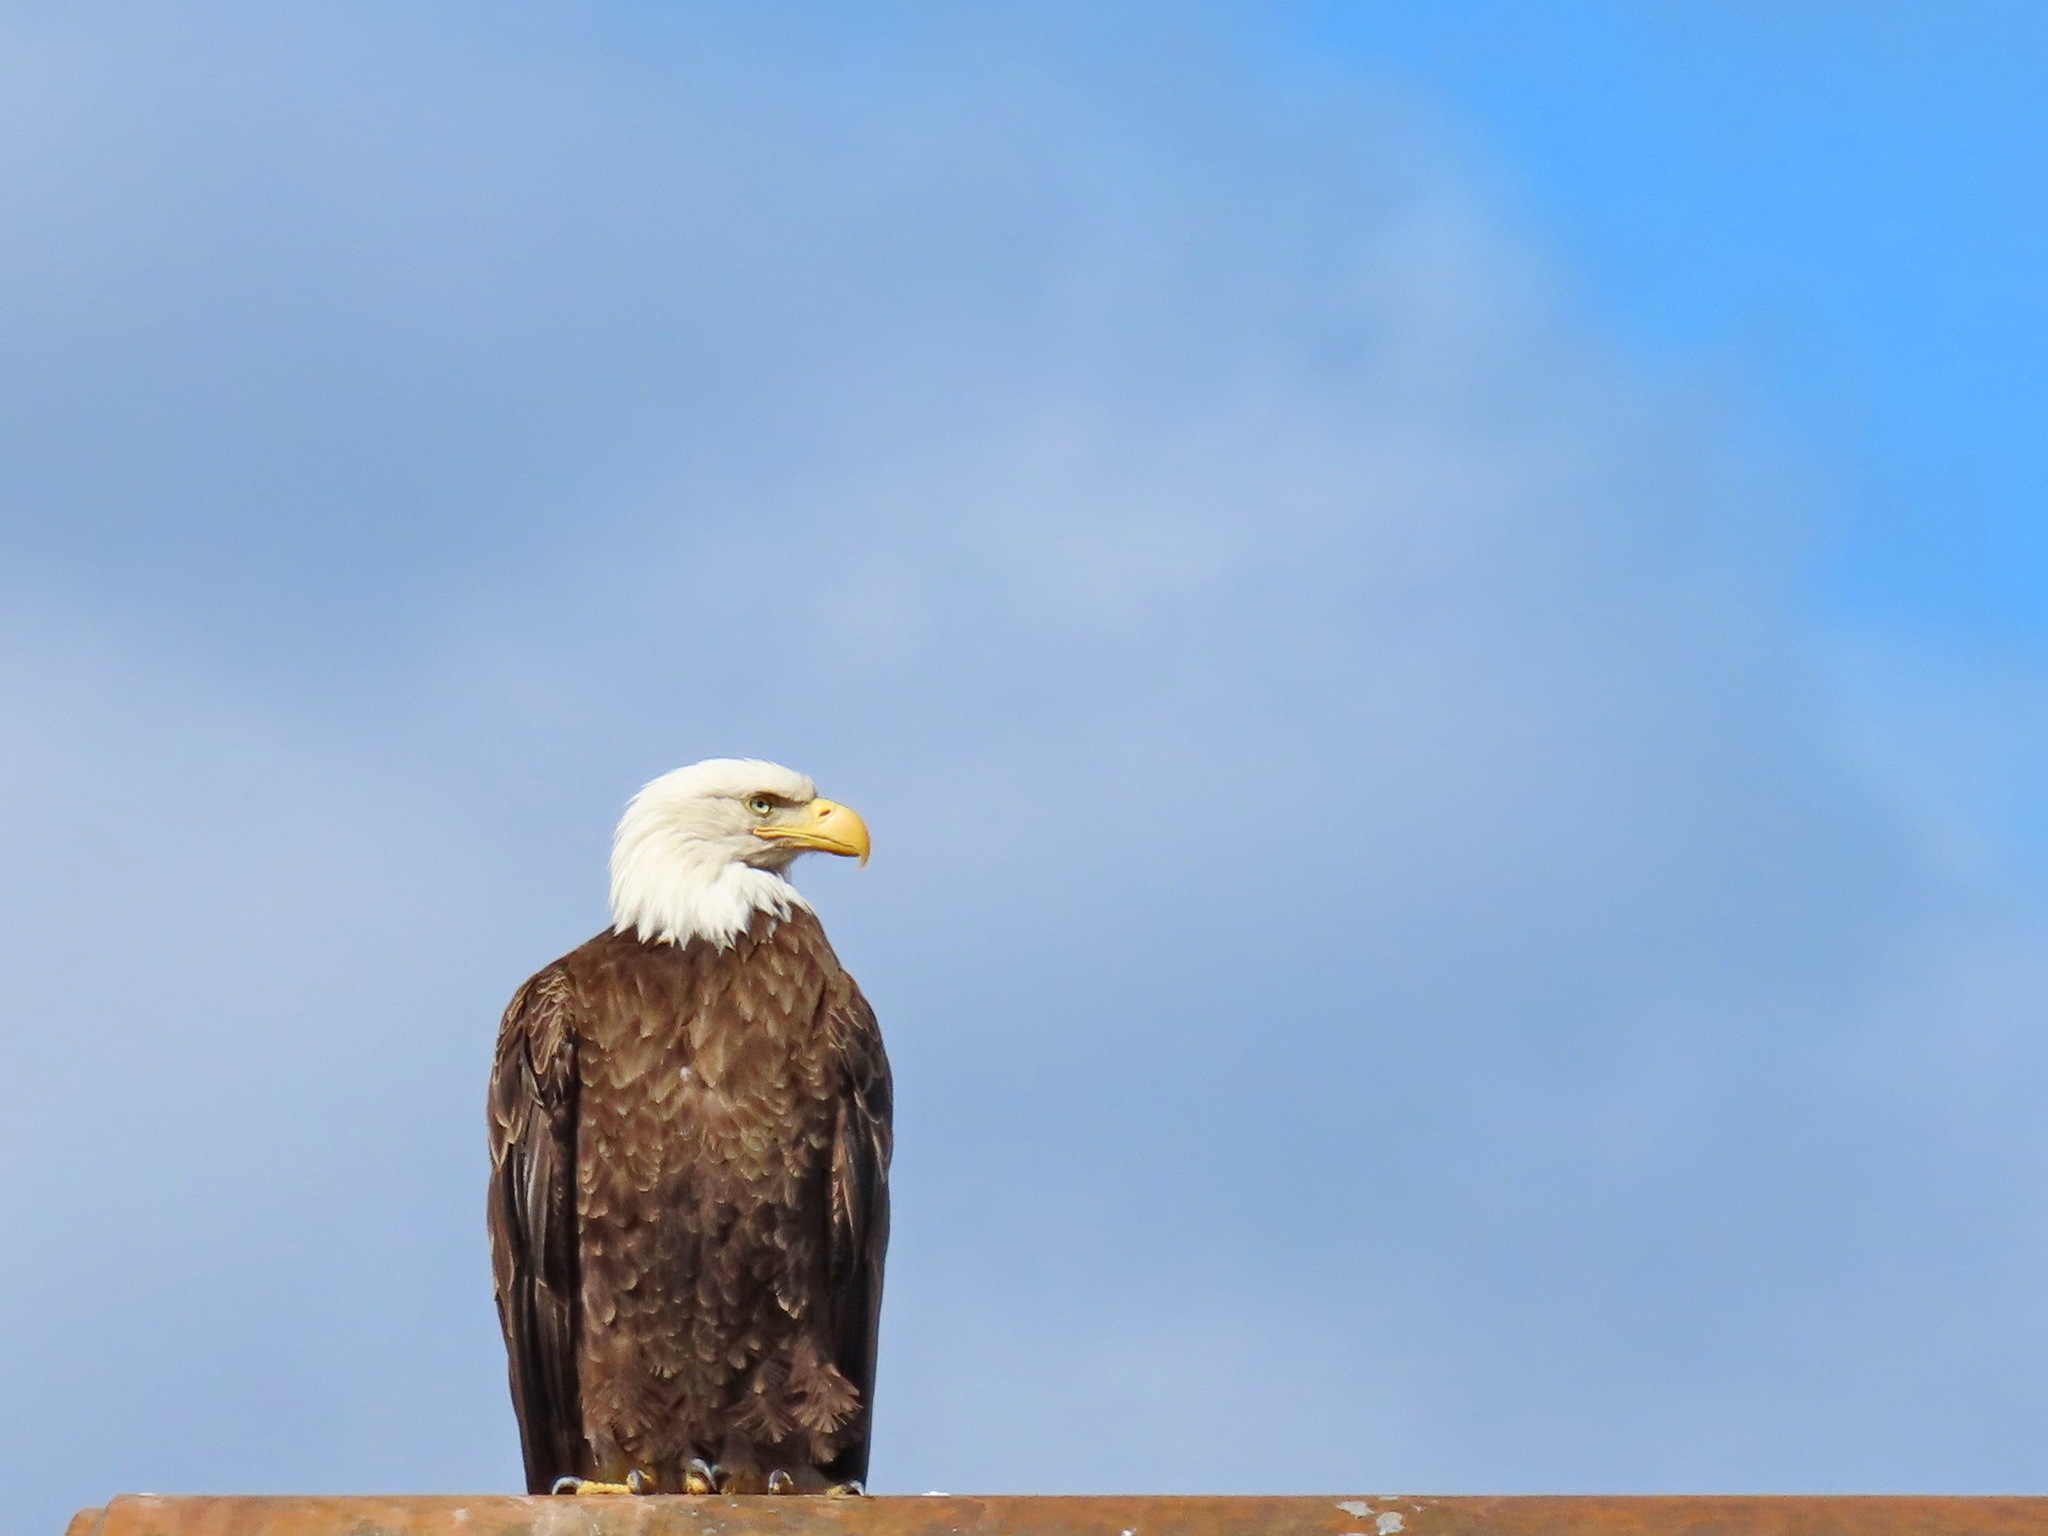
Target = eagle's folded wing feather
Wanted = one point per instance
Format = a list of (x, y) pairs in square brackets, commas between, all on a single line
[(533, 1222), (860, 1206)]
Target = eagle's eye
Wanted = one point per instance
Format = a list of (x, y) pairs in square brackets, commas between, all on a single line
[(760, 805)]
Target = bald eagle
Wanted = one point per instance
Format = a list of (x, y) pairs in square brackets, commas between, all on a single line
[(690, 1136)]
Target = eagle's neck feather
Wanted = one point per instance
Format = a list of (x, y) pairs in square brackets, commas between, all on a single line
[(675, 893)]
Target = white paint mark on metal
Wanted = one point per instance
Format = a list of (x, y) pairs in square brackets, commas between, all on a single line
[(1388, 1524), (1359, 1507)]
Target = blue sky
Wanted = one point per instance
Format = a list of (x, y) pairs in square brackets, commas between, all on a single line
[(1439, 621)]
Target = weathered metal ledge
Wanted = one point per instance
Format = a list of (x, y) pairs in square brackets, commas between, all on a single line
[(948, 1515)]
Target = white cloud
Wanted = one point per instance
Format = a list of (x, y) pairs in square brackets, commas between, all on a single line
[(1387, 950)]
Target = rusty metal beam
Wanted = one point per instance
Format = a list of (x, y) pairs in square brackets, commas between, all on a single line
[(946, 1515)]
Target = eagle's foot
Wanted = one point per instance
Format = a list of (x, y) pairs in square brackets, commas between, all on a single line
[(701, 1477), (780, 1481), (579, 1486), (852, 1490)]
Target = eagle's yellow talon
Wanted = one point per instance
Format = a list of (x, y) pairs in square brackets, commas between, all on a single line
[(580, 1486), (700, 1476), (846, 1491)]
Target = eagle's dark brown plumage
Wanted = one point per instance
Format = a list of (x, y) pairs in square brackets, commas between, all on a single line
[(688, 1209)]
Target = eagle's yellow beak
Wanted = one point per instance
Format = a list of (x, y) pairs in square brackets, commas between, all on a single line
[(825, 825)]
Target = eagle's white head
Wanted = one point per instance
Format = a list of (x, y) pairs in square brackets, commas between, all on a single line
[(701, 850)]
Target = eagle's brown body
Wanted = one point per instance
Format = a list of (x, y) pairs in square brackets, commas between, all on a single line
[(688, 1210)]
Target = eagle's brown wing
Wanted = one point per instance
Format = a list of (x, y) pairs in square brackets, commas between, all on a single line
[(533, 1223), (860, 1207)]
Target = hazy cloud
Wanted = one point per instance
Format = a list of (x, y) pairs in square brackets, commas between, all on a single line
[(1402, 969)]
